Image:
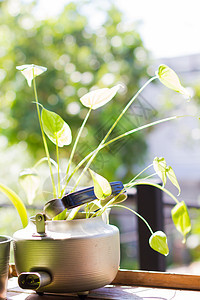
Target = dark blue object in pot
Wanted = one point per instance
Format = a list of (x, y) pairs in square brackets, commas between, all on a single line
[(56, 206)]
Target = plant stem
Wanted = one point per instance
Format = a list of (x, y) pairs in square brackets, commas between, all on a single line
[(137, 214), (74, 147), (155, 185), (111, 129), (43, 137), (127, 106), (87, 211), (45, 159), (132, 180), (119, 137), (57, 156), (154, 174), (140, 128)]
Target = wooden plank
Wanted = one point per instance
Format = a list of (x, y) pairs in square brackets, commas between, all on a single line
[(157, 279)]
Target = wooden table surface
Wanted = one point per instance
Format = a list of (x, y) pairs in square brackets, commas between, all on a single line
[(181, 286)]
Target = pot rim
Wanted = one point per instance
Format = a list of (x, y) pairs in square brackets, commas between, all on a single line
[(8, 239)]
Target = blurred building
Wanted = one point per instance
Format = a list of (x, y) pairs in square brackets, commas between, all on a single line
[(178, 141)]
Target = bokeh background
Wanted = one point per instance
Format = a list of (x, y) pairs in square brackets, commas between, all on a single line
[(94, 44)]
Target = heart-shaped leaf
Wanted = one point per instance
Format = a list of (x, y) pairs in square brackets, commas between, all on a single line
[(172, 177), (160, 165), (31, 71), (102, 188), (170, 79), (57, 130), (158, 242), (99, 97), (30, 182), (181, 218)]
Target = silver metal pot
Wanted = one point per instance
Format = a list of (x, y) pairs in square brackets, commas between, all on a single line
[(4, 264), (66, 256)]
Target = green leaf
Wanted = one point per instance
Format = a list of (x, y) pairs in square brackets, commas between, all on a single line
[(170, 79), (56, 128), (99, 97), (17, 202), (158, 242), (172, 177), (30, 182), (102, 188), (61, 216), (31, 71), (160, 165), (117, 199), (92, 206), (181, 218)]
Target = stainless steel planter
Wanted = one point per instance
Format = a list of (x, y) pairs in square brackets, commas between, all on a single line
[(72, 256), (4, 264)]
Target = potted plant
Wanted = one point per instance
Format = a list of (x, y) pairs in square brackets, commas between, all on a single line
[(77, 250)]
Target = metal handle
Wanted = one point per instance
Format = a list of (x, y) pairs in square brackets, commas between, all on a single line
[(56, 206), (40, 224)]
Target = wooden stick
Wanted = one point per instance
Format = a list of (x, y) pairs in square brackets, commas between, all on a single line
[(12, 271), (157, 279)]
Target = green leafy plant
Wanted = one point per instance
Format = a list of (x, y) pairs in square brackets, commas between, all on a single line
[(59, 133)]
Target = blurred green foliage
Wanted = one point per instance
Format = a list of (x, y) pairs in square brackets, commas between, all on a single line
[(78, 58)]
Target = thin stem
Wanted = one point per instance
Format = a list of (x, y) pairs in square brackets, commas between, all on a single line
[(45, 159), (137, 214), (117, 138), (147, 177), (87, 211), (57, 156), (127, 106), (111, 129), (74, 147), (150, 176), (43, 137), (140, 173), (155, 185), (140, 128)]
